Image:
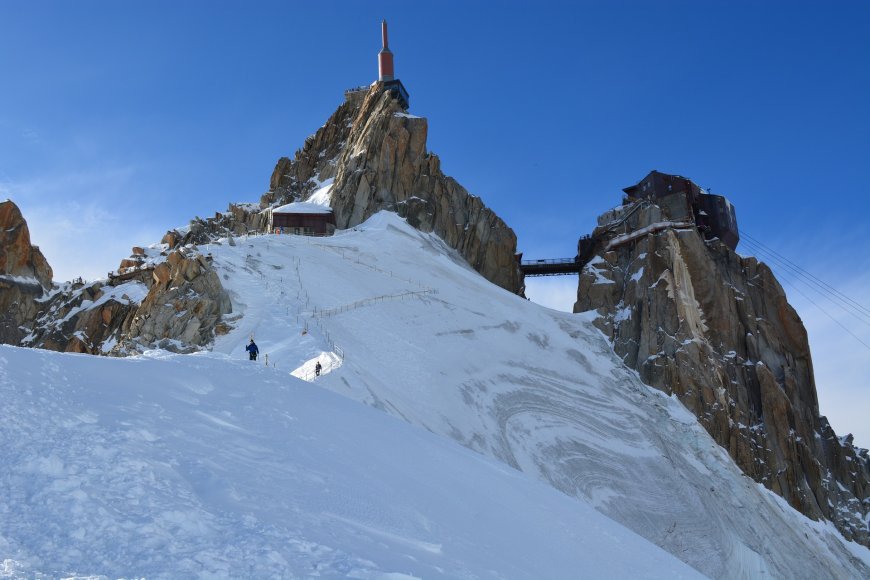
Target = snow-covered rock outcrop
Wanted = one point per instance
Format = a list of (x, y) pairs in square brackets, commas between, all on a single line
[(714, 328), (160, 296)]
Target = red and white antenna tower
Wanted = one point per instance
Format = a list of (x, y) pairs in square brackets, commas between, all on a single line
[(385, 57)]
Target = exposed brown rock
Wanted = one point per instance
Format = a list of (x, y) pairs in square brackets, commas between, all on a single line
[(161, 274), (129, 263), (171, 239), (183, 302), (183, 306), (239, 219), (17, 256), (318, 158), (79, 318), (697, 320), (377, 156), (25, 276), (72, 321)]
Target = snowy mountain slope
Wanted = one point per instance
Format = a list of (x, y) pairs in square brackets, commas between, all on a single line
[(427, 339), (174, 466)]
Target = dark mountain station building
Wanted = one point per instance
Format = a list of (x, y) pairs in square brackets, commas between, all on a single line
[(683, 199), (301, 218)]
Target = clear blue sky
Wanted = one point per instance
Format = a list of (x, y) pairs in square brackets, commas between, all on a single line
[(119, 120)]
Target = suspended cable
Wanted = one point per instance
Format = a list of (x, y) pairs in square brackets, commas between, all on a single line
[(791, 281), (840, 324), (849, 306), (787, 273), (819, 286), (757, 247), (810, 275)]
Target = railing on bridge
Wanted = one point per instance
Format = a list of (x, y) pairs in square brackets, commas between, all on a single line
[(557, 267)]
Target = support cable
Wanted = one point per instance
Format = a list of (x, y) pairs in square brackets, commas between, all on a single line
[(849, 306), (828, 314), (807, 274), (757, 247), (853, 308), (791, 280)]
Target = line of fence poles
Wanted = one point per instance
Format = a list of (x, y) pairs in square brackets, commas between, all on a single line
[(316, 315), (323, 313), (340, 251), (303, 318), (306, 316)]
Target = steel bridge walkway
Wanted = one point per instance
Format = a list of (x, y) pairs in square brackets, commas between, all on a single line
[(559, 267)]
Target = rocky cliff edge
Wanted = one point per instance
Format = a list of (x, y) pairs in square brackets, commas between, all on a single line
[(696, 319), (166, 296), (25, 276)]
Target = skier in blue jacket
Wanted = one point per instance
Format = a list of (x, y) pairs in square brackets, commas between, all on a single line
[(252, 349)]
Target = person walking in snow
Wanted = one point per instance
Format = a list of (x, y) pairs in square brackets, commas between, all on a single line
[(252, 349), (317, 369)]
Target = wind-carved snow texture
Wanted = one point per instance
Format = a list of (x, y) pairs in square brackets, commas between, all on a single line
[(211, 465), (537, 389)]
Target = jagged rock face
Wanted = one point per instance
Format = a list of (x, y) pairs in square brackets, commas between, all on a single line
[(183, 306), (175, 304), (697, 320), (316, 162), (25, 275), (17, 256), (80, 318), (239, 219), (377, 156)]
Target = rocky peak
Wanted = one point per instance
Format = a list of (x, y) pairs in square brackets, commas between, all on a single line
[(25, 275), (714, 328), (18, 257), (295, 179), (376, 154)]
